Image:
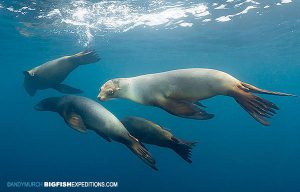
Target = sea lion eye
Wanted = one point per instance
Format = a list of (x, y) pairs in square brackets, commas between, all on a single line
[(110, 92)]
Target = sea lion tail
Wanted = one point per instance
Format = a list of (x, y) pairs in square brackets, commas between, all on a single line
[(257, 107), (48, 104), (137, 148), (183, 148), (86, 57)]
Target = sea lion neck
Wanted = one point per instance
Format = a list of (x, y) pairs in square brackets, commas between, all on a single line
[(123, 84), (127, 89)]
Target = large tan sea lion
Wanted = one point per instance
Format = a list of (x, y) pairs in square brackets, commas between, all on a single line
[(179, 92)]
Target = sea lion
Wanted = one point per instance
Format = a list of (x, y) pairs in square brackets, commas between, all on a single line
[(148, 132), (52, 73), (84, 114), (179, 92)]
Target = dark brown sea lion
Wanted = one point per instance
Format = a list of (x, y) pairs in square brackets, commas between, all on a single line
[(84, 114), (148, 132), (53, 73)]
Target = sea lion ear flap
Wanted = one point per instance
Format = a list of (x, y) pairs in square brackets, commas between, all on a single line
[(116, 83)]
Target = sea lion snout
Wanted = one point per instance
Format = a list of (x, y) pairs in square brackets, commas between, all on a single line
[(100, 97), (107, 91)]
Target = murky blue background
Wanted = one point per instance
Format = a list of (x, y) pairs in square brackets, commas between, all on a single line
[(234, 153)]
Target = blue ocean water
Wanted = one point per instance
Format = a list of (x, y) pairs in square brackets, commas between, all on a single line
[(257, 42)]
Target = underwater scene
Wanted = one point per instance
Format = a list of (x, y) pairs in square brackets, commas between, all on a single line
[(150, 95)]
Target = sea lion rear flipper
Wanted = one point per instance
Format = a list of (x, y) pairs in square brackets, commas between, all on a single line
[(85, 57), (75, 121), (260, 109), (250, 88), (67, 89), (185, 109), (183, 148), (103, 136)]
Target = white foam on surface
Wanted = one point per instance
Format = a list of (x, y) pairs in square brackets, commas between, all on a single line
[(223, 6), (103, 16), (286, 1), (223, 18), (206, 20), (185, 24), (228, 17), (87, 19)]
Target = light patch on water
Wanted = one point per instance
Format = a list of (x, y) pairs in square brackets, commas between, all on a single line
[(223, 18), (52, 13), (13, 10), (247, 2), (222, 6), (186, 24), (22, 10), (206, 20), (286, 1), (87, 19), (228, 17)]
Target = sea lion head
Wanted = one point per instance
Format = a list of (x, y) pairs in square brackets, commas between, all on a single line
[(109, 90)]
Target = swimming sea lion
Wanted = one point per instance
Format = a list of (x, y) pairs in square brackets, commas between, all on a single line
[(179, 91), (148, 132), (82, 114), (52, 73)]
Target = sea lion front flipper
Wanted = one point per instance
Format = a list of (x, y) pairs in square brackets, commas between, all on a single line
[(30, 90), (103, 136), (200, 104), (29, 83), (184, 109), (76, 122), (67, 89)]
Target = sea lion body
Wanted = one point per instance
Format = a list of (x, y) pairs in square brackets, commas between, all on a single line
[(51, 74), (149, 132), (182, 84), (179, 92), (84, 114)]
